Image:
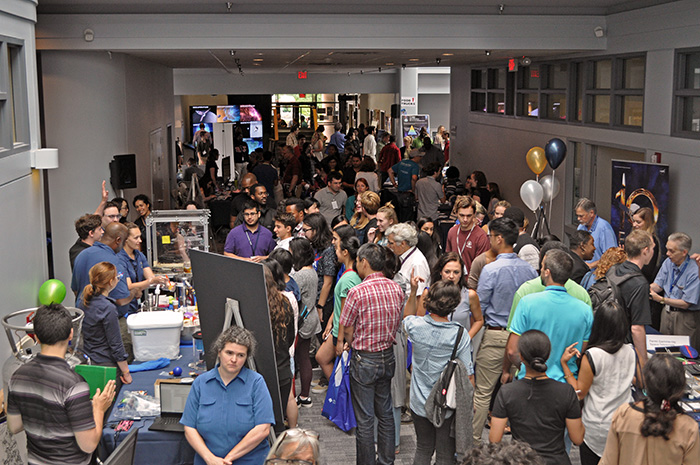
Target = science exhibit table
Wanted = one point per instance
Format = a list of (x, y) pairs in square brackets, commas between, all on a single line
[(153, 447)]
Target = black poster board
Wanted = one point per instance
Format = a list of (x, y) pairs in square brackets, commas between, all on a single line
[(217, 278)]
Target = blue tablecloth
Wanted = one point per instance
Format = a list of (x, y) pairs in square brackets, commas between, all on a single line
[(153, 447)]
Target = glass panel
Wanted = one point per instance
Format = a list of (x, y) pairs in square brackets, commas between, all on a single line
[(478, 101), (602, 72), (529, 105), (578, 177), (632, 110), (691, 114), (478, 79), (497, 103), (634, 73), (580, 84), (497, 78), (601, 109), (556, 106), (501, 78), (11, 90), (530, 77), (558, 77), (692, 71)]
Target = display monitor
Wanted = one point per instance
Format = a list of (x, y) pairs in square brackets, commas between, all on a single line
[(125, 452), (228, 113), (209, 127)]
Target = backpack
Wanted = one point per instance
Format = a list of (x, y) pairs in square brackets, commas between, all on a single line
[(607, 289)]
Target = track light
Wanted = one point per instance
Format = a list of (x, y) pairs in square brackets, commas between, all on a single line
[(487, 52)]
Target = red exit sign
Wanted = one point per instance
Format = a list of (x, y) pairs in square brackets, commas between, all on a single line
[(301, 74), (512, 65), (535, 73)]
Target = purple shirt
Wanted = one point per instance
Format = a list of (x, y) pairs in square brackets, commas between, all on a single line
[(244, 243)]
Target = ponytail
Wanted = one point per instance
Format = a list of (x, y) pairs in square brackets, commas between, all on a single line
[(88, 293), (101, 275), (665, 383), (539, 364)]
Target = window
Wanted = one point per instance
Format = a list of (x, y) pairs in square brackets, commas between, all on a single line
[(554, 86), (687, 94), (14, 119), (490, 89), (614, 91), (528, 91)]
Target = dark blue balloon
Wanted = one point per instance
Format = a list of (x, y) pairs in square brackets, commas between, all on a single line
[(555, 151)]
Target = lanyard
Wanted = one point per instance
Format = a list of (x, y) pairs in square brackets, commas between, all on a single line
[(680, 273), (257, 238), (408, 256), (465, 242)]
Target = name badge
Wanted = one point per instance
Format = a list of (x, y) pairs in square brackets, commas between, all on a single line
[(334, 205)]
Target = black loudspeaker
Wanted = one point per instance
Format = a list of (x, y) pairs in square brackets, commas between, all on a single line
[(123, 171), (395, 112)]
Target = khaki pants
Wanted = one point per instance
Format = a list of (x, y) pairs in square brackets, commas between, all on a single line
[(126, 339), (682, 323), (489, 367)]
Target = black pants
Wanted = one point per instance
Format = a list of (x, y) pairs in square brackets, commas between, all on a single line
[(588, 457), (430, 439)]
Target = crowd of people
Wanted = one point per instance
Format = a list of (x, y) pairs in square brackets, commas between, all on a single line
[(388, 254)]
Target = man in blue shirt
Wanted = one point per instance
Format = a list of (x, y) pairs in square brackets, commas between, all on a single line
[(250, 240), (407, 172), (106, 250), (338, 138), (678, 281), (562, 317), (602, 232), (497, 285)]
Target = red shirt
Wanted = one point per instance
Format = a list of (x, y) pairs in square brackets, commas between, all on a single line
[(447, 151), (374, 307), (388, 157), (468, 244), (293, 169)]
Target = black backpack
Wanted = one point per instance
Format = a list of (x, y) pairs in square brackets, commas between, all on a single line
[(607, 289)]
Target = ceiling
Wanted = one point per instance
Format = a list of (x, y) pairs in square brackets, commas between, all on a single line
[(418, 7), (334, 61)]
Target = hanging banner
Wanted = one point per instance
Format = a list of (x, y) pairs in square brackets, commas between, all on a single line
[(412, 124), (637, 185)]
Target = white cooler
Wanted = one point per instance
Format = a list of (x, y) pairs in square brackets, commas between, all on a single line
[(155, 334)]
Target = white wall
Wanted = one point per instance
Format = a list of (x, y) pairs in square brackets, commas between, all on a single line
[(438, 107), (23, 256), (97, 106), (498, 145)]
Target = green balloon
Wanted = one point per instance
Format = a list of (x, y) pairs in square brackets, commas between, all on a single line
[(52, 291)]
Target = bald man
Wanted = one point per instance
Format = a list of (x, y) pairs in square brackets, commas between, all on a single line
[(237, 204), (104, 250)]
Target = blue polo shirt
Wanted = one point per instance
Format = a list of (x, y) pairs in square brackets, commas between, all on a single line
[(90, 257), (498, 283), (404, 172), (680, 282), (244, 243), (563, 318), (134, 271), (603, 235), (223, 414)]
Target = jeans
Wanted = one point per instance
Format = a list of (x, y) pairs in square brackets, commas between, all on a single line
[(430, 439), (370, 386)]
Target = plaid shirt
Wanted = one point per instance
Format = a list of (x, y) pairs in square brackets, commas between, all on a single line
[(374, 307)]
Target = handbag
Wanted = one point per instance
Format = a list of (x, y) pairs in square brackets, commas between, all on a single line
[(338, 404), (446, 396)]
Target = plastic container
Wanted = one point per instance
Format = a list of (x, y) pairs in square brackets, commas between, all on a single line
[(155, 334)]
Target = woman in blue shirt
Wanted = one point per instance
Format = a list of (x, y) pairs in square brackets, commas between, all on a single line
[(102, 340), (228, 413)]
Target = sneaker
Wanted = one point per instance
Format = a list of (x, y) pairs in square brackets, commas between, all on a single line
[(320, 388), (305, 402), (406, 418)]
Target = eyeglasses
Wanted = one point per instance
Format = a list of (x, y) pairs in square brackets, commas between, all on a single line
[(307, 229), (291, 433), (114, 217)]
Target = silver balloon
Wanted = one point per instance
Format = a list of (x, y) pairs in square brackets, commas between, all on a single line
[(550, 186), (531, 194)]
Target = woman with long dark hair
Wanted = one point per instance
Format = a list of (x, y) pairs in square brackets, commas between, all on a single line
[(429, 226), (655, 431), (608, 386), (540, 409), (310, 325)]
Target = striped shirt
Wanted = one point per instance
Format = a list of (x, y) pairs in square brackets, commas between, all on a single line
[(54, 403), (374, 307)]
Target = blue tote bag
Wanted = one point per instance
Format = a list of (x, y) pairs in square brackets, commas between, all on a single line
[(338, 405)]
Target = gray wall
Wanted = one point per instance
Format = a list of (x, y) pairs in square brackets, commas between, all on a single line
[(97, 106), (498, 145), (23, 264), (438, 107)]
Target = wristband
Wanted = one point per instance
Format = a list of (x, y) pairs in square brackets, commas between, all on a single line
[(663, 300), (319, 306)]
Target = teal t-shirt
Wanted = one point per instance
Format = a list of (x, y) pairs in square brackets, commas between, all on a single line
[(535, 285), (346, 282), (404, 172), (563, 318)]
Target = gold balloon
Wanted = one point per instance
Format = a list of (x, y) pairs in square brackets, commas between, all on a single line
[(536, 160)]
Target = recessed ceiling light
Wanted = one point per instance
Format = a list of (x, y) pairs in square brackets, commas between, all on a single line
[(257, 59), (256, 64), (413, 59), (389, 64), (448, 54), (259, 54)]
